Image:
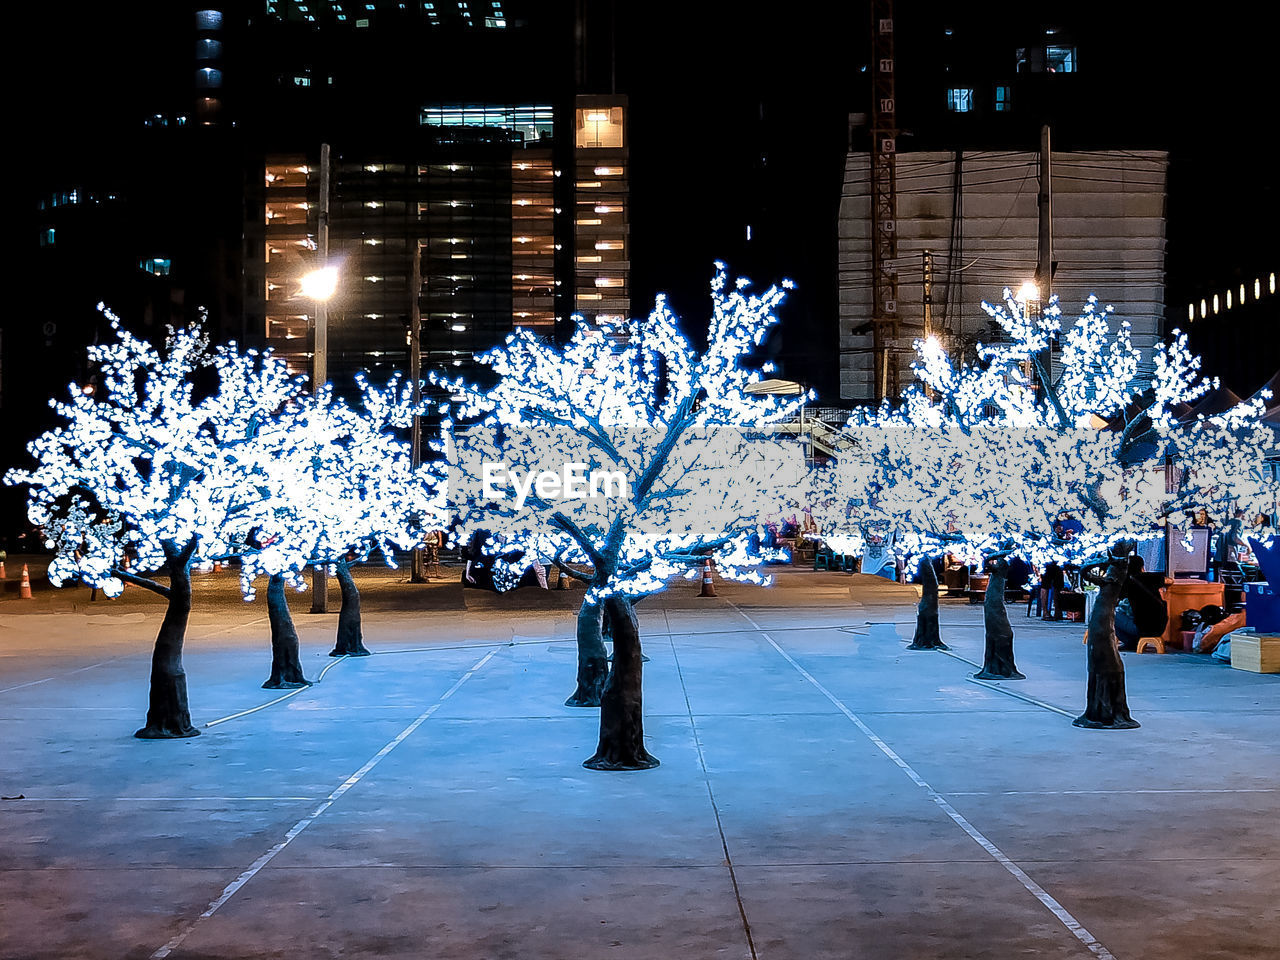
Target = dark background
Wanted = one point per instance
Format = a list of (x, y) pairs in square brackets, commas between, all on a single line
[(739, 116)]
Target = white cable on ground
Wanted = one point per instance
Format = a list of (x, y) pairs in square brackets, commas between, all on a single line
[(271, 703)]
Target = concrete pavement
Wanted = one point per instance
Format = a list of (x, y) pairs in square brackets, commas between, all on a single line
[(823, 791)]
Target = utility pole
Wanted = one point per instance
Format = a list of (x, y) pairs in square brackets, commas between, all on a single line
[(926, 258), (320, 357), (926, 300), (417, 569), (1044, 243)]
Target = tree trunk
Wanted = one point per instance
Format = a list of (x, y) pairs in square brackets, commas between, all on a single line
[(927, 636), (621, 707), (997, 657), (593, 658), (350, 642), (168, 714), (286, 669), (1106, 705)]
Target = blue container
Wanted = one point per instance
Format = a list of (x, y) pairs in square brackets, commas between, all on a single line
[(1262, 608)]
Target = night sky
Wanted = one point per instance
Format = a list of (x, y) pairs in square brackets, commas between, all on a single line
[(741, 118)]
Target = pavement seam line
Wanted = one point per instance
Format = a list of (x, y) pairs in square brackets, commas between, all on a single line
[(1007, 692), (60, 676), (231, 889), (715, 808), (1058, 910)]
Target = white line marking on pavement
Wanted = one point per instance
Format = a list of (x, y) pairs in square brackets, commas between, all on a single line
[(157, 799), (999, 689), (715, 807), (61, 675), (1107, 793), (198, 635), (1037, 891), (230, 890)]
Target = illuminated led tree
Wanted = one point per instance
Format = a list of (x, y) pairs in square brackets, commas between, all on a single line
[(1012, 453), (341, 486), (627, 455), (148, 472)]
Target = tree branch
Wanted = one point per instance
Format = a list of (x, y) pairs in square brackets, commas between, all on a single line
[(636, 567), (697, 553), (568, 570), (1126, 435), (1043, 377), (584, 541), (143, 582), (596, 435), (680, 423)]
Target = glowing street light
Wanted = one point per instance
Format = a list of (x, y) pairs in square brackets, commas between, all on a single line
[(320, 285), (1028, 298)]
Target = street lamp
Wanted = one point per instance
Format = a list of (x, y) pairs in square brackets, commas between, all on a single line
[(1028, 297), (417, 565), (320, 284)]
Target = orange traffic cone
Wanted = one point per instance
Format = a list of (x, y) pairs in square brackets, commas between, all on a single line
[(708, 588), (24, 591), (562, 581), (3, 575), (217, 566)]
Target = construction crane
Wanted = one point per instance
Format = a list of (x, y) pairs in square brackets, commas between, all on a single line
[(884, 203)]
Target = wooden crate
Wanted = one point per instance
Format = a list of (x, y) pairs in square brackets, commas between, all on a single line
[(1255, 652)]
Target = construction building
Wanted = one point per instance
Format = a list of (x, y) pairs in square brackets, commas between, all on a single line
[(967, 227)]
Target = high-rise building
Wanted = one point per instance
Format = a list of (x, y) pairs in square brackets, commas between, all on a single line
[(477, 183), (479, 160)]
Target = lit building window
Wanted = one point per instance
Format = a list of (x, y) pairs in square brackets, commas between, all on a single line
[(1060, 59), (1002, 99), (599, 127), (960, 99), (47, 237), (490, 122), (155, 265), (1054, 58)]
